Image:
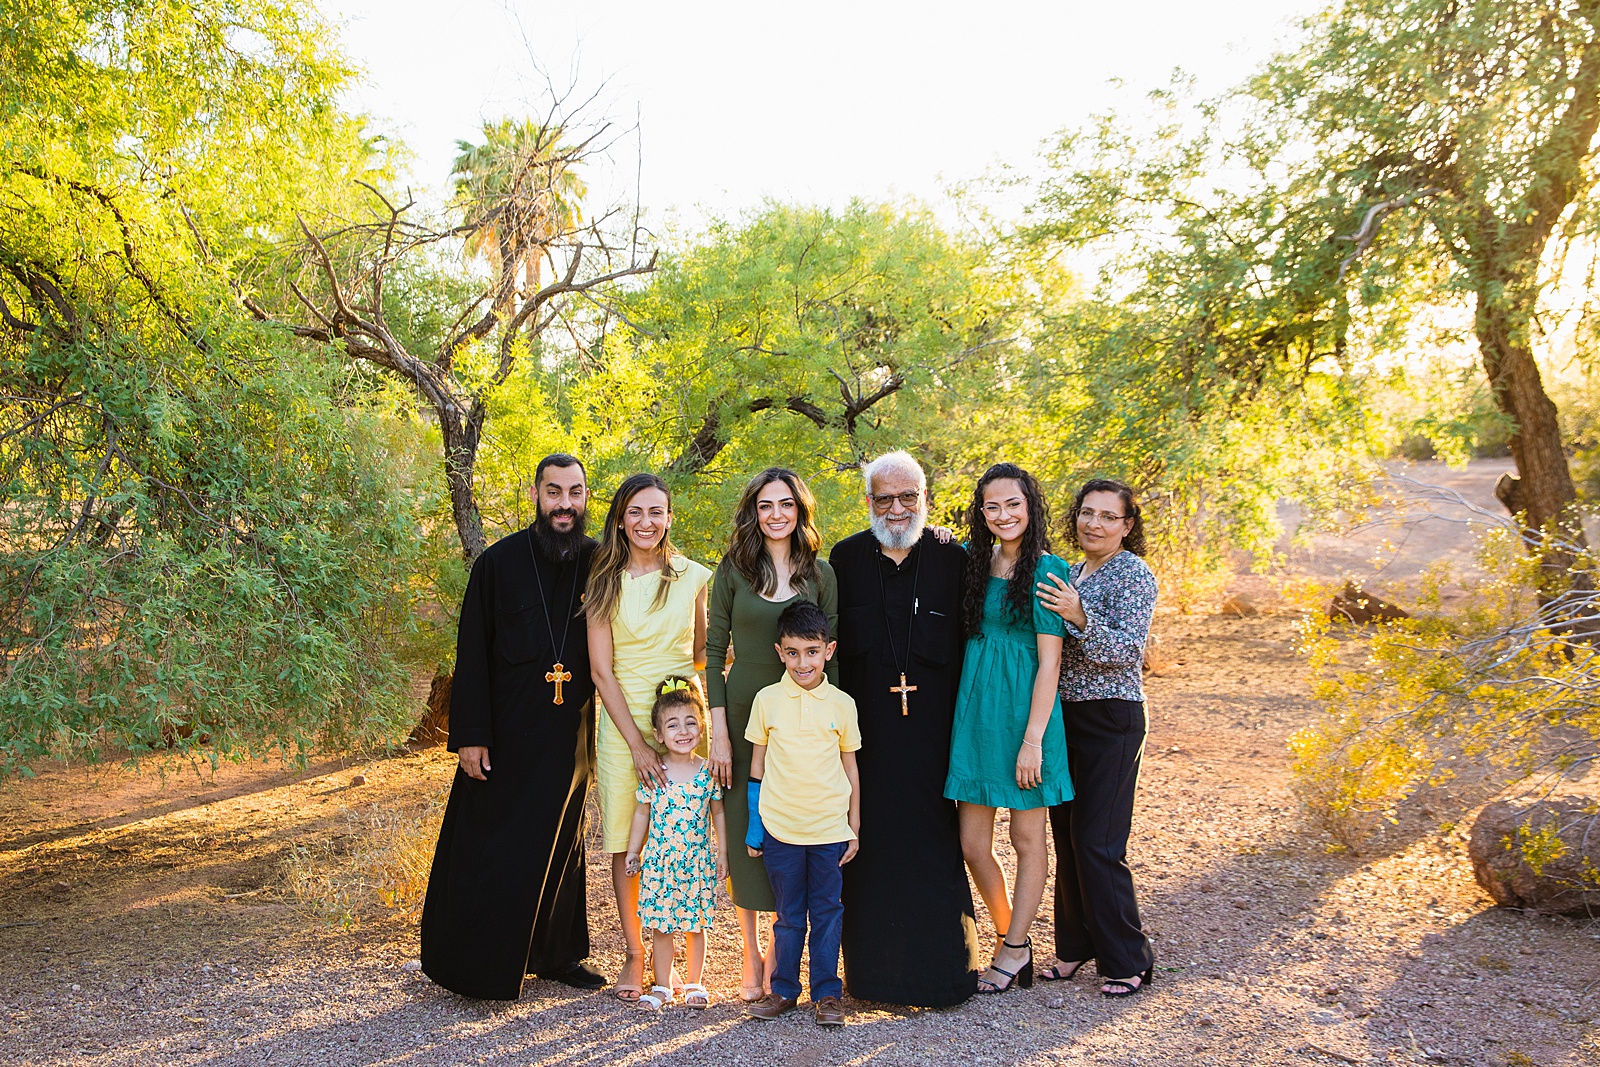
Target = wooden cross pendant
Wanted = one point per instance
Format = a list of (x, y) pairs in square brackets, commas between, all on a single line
[(558, 676), (903, 689)]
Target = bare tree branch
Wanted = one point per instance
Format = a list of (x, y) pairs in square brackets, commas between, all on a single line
[(1372, 221)]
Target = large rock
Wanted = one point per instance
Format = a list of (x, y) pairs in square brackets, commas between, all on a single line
[(1240, 606), (1356, 605), (1541, 855)]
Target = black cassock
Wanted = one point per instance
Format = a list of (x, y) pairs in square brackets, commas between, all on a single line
[(909, 933), (506, 895)]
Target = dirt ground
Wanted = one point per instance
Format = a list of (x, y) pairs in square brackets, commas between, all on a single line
[(144, 921)]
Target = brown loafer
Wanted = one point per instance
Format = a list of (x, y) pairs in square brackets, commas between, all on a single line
[(830, 1011), (770, 1006)]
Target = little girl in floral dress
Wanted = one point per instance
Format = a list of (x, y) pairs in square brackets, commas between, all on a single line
[(678, 870)]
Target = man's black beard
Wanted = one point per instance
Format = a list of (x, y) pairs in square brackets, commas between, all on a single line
[(555, 545)]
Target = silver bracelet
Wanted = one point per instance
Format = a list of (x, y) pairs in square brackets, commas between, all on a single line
[(1032, 745)]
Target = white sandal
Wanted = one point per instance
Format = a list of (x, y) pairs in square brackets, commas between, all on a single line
[(695, 996), (659, 997)]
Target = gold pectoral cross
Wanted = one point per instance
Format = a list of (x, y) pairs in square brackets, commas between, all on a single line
[(903, 689), (558, 676)]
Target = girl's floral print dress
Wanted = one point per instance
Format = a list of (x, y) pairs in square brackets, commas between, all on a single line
[(678, 869)]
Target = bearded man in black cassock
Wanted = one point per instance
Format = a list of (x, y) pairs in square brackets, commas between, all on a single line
[(909, 933), (507, 895)]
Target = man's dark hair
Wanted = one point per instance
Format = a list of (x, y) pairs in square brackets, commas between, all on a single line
[(560, 547), (804, 620), (558, 459)]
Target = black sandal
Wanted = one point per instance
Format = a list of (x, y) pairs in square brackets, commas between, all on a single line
[(1022, 976), (1127, 983), (1054, 973)]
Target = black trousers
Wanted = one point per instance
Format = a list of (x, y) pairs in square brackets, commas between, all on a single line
[(1097, 914)]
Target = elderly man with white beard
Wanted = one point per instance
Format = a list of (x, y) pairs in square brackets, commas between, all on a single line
[(909, 934)]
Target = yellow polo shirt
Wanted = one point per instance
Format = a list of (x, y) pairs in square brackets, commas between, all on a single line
[(805, 796)]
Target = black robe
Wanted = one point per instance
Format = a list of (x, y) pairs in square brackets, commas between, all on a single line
[(506, 895), (909, 932)]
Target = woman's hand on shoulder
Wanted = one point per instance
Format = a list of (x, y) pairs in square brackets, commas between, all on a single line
[(943, 533), (1058, 596), (647, 765), (1051, 590)]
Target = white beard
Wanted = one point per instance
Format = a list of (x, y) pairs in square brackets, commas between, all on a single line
[(903, 542)]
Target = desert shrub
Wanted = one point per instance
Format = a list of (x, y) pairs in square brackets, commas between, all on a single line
[(375, 861), (1496, 689)]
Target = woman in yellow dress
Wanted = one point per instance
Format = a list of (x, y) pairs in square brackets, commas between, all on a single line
[(646, 610)]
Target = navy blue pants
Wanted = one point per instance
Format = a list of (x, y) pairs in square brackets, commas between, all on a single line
[(808, 882)]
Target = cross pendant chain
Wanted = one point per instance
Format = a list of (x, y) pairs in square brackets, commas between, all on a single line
[(558, 676), (902, 689)]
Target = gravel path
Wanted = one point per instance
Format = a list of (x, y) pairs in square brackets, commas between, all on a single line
[(141, 923)]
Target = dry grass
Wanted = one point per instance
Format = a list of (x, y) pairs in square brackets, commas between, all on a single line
[(378, 859)]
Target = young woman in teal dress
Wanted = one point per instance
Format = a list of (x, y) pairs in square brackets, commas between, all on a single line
[(1008, 748)]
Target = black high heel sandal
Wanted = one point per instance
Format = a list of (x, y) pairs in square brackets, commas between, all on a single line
[(1022, 976), (1055, 974), (1129, 988)]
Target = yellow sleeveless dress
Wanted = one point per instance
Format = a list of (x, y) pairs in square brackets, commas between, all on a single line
[(648, 643)]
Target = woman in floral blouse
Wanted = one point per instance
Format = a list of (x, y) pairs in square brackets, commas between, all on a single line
[(1106, 603)]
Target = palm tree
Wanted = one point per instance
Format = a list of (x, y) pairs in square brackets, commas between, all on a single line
[(520, 192)]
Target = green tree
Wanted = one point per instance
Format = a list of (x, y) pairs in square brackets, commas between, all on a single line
[(1453, 141), (1193, 349), (804, 337), (203, 538)]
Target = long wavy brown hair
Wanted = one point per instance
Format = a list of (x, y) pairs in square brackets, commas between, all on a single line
[(1134, 541), (980, 549), (747, 553), (611, 558)]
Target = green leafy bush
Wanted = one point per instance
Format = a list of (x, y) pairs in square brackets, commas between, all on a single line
[(1497, 686)]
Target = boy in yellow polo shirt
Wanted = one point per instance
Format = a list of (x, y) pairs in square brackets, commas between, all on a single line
[(805, 810)]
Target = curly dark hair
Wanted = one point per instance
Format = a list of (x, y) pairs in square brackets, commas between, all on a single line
[(1134, 540), (980, 549)]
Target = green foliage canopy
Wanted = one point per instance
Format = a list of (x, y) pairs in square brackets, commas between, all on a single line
[(1205, 361), (800, 337), (202, 540)]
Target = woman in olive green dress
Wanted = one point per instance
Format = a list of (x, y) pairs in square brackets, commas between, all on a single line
[(771, 562)]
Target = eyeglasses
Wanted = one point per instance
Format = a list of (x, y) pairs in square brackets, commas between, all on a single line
[(1105, 517), (908, 499)]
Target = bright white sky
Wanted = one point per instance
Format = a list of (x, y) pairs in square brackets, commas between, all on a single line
[(813, 101)]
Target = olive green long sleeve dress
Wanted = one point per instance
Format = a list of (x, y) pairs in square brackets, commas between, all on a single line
[(739, 616)]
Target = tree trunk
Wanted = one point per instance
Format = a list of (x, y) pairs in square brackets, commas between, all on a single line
[(460, 460), (1543, 491), (434, 727), (461, 438)]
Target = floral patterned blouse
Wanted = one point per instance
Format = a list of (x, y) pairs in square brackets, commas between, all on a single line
[(1104, 659)]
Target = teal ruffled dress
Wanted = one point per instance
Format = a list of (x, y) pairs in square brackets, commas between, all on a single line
[(993, 702)]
